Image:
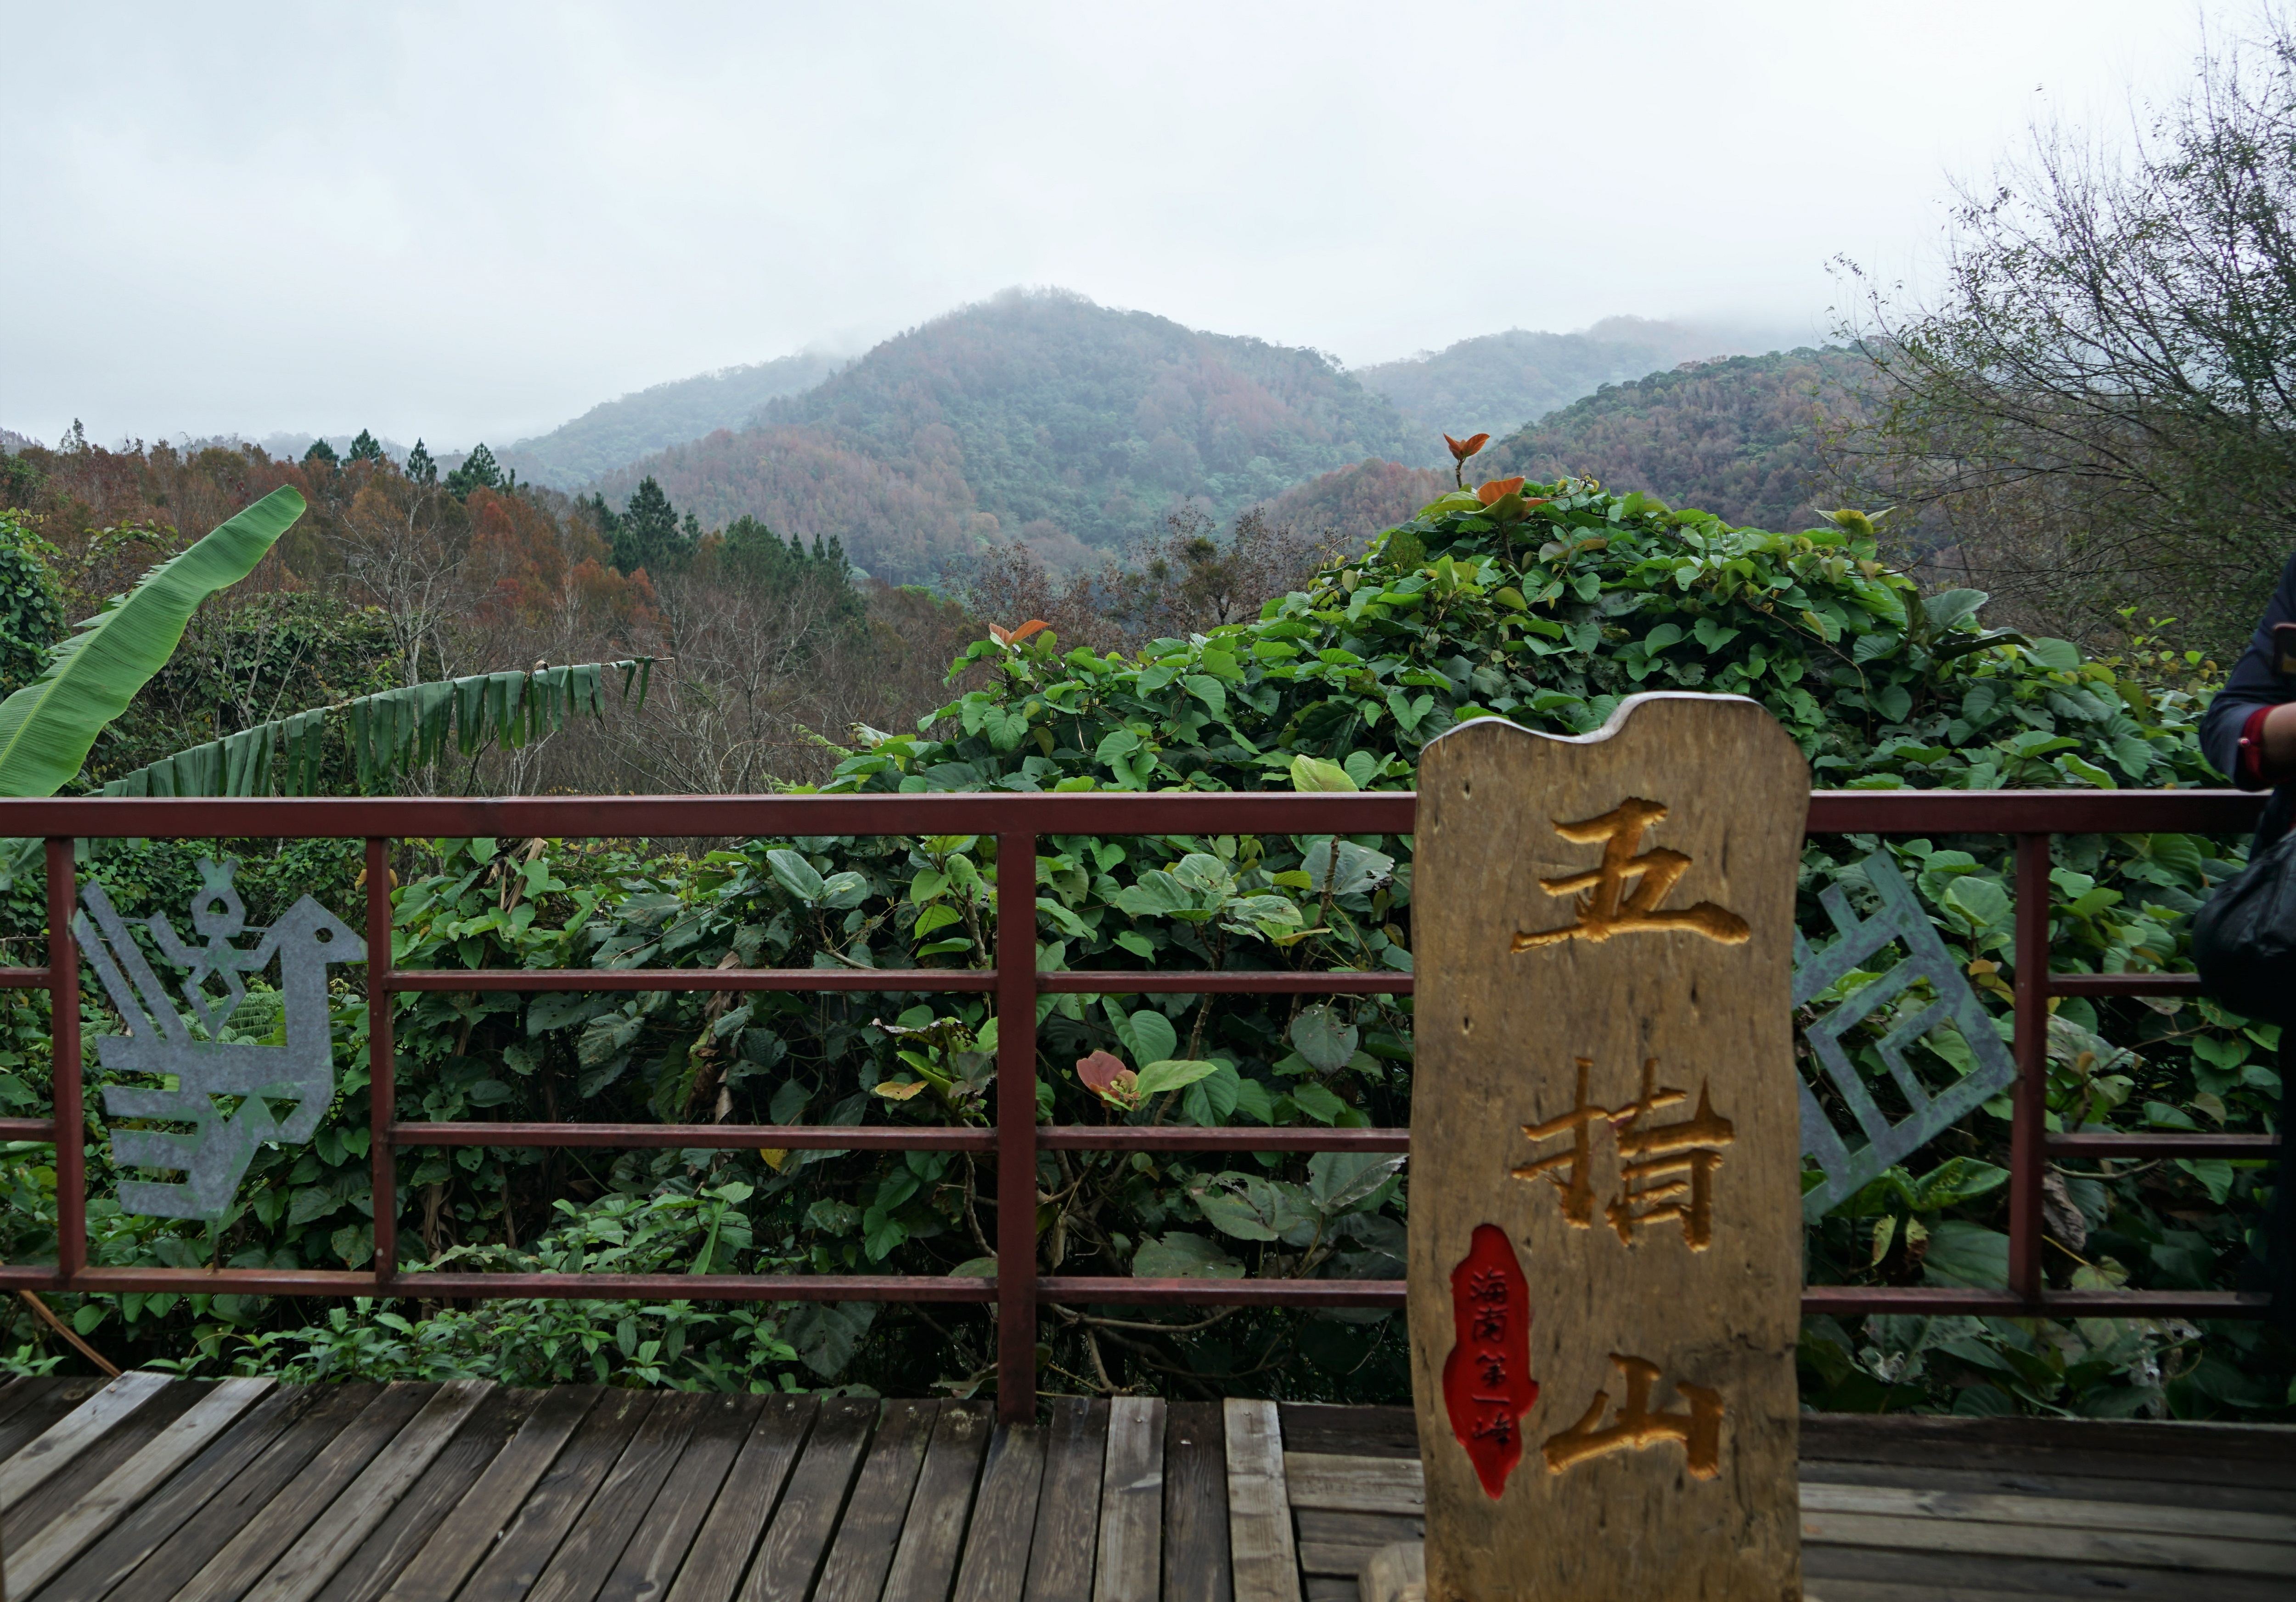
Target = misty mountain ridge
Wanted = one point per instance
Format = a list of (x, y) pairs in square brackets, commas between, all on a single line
[(617, 432)]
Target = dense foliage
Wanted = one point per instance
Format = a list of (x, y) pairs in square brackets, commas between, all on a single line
[(1547, 611)]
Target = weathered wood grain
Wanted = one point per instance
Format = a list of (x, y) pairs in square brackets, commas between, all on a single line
[(1906, 1502), (932, 1539), (796, 1539), (649, 1563), (525, 1547), (1350, 1431), (466, 1537), (72, 1479), (32, 1466), (2191, 1555), (995, 1566), (1341, 1543), (214, 1508), (871, 1531), (1260, 1547), (2246, 1456), (32, 1562), (1130, 1567), (1856, 1574), (40, 1400), (1195, 1504), (1350, 1485), (453, 1475), (1068, 1502), (1603, 933), (310, 1559), (232, 1572), (720, 1553), (2016, 1480), (594, 1547)]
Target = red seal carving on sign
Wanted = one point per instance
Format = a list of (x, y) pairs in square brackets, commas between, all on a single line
[(1486, 1383)]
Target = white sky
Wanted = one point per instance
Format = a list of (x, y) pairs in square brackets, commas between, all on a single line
[(477, 221)]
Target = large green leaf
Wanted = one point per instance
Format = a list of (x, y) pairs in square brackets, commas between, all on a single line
[(48, 727)]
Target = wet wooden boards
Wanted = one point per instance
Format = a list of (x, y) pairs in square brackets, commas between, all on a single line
[(1605, 1237)]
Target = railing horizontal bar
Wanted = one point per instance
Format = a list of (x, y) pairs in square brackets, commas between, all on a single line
[(1853, 1299), (2124, 985), (688, 817), (2031, 811), (28, 1128), (23, 979), (1265, 981), (702, 1137), (1113, 1291), (2167, 1144), (889, 981), (1384, 812), (704, 1288), (1127, 1137)]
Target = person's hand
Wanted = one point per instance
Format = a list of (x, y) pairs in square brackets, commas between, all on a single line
[(2278, 760)]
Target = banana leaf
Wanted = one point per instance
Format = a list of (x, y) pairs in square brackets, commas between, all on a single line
[(48, 727), (392, 732)]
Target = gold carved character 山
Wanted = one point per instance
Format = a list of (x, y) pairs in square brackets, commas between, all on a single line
[(1667, 1170), (1635, 1427), (1603, 905)]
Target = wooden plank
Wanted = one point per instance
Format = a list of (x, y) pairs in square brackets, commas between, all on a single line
[(531, 1538), (234, 1571), (1840, 1575), (1327, 1587), (1605, 1258), (1195, 1504), (1132, 1502), (1067, 1504), (32, 1563), (40, 1402), (1353, 1431), (650, 1561), (2133, 1517), (2072, 1485), (1341, 1543), (393, 1543), (1352, 1485), (924, 1567), (721, 1552), (76, 1477), (314, 1555), (2247, 1455), (995, 1566), (203, 1508), (1260, 1547), (30, 1466), (2206, 1555), (797, 1539), (871, 1531), (467, 1534), (593, 1548)]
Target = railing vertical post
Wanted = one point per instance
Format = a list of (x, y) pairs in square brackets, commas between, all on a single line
[(1016, 1127), (2028, 1153), (382, 1077), (63, 1035)]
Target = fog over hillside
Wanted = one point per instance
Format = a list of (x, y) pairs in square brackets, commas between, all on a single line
[(617, 432)]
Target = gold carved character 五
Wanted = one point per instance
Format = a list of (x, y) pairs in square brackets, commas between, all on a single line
[(1667, 1170), (1604, 906)]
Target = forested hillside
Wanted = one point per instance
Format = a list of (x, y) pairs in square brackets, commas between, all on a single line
[(1351, 504), (1501, 381), (618, 432), (1738, 438), (1041, 418)]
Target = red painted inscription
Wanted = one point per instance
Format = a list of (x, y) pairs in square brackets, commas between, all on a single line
[(1486, 1383)]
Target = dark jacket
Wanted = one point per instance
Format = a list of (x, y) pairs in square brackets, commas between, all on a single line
[(2254, 685)]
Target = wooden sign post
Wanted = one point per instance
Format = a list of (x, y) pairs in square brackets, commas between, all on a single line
[(1605, 1218)]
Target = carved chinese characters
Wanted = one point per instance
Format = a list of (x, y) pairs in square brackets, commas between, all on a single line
[(1606, 1088), (1487, 1380)]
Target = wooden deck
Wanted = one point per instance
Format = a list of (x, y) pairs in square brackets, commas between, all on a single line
[(148, 1489)]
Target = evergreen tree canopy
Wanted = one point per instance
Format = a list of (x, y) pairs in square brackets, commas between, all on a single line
[(321, 451), (478, 471), (647, 534), (366, 447), (422, 466)]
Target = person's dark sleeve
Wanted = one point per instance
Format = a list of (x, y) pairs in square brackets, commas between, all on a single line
[(2252, 688)]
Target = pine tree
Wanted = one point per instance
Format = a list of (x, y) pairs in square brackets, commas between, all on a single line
[(478, 471), (321, 451), (647, 535), (607, 519), (421, 467), (366, 447)]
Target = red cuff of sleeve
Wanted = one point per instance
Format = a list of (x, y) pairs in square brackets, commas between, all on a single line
[(2248, 768)]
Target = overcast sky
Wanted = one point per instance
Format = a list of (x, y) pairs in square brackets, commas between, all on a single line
[(475, 222)]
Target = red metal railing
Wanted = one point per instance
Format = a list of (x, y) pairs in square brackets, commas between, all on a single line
[(1017, 822)]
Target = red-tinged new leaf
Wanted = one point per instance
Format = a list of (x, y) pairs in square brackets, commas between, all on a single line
[(1106, 1076), (1498, 490), (1033, 626), (1461, 449)]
